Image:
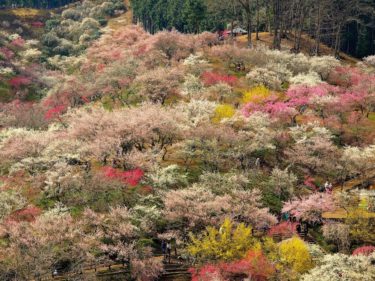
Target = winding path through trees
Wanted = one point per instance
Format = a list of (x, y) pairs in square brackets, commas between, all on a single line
[(350, 185)]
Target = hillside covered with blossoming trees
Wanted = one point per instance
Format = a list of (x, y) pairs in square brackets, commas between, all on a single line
[(130, 155)]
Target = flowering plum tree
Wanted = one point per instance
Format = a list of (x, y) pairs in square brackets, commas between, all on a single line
[(338, 233), (29, 250), (358, 160), (173, 44), (342, 267), (311, 207), (310, 151), (192, 209), (118, 134), (10, 201), (115, 236), (157, 85), (247, 207)]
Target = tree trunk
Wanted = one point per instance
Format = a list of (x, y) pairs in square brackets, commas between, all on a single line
[(257, 31), (232, 19), (317, 32), (337, 40), (268, 11), (298, 49), (296, 24), (249, 43), (231, 29), (300, 28), (276, 36), (246, 5)]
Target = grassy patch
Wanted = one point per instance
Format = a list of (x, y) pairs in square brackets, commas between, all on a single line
[(371, 116), (5, 92), (46, 203), (77, 211), (124, 19), (24, 13)]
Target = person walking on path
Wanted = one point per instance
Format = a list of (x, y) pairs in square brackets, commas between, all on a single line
[(169, 249), (330, 188), (299, 229), (164, 249)]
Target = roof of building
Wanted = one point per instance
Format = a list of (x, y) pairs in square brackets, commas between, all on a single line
[(237, 30)]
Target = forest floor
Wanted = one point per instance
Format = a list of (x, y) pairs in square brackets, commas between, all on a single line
[(124, 19)]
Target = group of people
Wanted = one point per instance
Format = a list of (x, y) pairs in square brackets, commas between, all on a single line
[(302, 228), (166, 248), (327, 187)]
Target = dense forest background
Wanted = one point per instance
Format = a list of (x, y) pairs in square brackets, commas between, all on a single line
[(40, 4), (346, 25)]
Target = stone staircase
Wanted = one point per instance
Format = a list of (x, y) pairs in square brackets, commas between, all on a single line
[(175, 271)]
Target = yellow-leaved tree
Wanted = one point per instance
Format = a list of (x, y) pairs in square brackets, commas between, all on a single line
[(256, 95), (361, 225), (224, 244), (295, 257), (270, 249), (223, 111)]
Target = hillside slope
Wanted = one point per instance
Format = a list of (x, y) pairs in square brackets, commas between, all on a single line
[(148, 154)]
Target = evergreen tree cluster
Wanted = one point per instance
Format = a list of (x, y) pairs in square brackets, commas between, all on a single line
[(358, 38), (344, 25), (39, 4), (184, 15)]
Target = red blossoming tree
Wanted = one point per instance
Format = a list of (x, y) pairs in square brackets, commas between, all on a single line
[(132, 177), (364, 250), (19, 81), (212, 78)]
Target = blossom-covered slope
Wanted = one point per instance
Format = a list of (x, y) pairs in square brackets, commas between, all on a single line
[(220, 150)]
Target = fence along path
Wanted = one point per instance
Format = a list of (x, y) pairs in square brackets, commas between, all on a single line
[(175, 270)]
